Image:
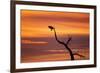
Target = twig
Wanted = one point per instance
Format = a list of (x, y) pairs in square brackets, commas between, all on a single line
[(79, 55)]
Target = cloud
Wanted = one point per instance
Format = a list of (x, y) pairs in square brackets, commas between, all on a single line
[(56, 51), (34, 42)]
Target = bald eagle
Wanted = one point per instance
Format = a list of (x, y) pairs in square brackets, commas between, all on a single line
[(51, 27)]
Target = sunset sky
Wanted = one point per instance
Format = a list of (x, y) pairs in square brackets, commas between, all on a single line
[(64, 22), (38, 40)]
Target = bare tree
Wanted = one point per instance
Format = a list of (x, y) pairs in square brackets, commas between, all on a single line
[(65, 44)]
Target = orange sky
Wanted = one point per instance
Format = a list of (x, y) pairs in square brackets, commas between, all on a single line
[(35, 23)]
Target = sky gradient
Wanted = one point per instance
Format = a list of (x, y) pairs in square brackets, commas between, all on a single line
[(38, 42)]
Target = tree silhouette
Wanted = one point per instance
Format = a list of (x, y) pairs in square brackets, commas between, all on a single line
[(65, 44)]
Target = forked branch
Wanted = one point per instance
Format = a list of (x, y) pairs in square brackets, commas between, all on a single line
[(65, 44)]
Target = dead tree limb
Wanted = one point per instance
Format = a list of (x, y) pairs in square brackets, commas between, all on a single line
[(64, 44), (79, 55)]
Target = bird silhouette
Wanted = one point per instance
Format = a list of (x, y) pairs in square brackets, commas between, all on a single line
[(51, 27)]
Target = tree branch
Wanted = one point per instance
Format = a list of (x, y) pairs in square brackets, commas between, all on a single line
[(69, 39), (63, 43), (78, 55), (57, 38)]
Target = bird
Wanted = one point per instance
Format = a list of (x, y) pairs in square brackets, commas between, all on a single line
[(51, 27)]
